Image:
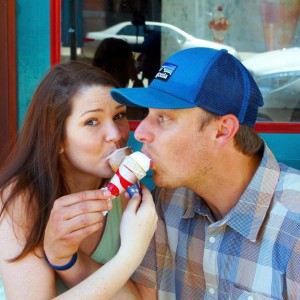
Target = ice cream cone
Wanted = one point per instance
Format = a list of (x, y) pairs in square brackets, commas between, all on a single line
[(132, 169), (141, 159), (219, 25), (116, 158), (135, 188), (219, 35), (122, 180)]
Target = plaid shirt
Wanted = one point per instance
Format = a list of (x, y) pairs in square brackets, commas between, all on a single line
[(252, 253)]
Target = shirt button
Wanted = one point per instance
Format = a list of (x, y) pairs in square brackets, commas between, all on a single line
[(211, 291), (212, 239)]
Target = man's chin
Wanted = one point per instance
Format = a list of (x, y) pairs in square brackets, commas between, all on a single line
[(161, 181)]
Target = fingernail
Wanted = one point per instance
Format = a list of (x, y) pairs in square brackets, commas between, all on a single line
[(106, 193)]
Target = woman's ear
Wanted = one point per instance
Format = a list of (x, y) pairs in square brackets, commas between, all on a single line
[(61, 150), (227, 128)]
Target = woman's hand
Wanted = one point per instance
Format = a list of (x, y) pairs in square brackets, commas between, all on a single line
[(72, 219), (139, 222)]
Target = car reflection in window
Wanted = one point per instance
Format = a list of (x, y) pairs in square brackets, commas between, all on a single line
[(135, 35), (277, 74)]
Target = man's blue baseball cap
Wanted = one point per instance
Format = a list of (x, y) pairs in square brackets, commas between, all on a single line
[(199, 77)]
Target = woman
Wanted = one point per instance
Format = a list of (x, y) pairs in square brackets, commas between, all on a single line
[(51, 198)]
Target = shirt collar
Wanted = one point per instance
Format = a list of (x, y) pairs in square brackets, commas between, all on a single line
[(196, 205), (250, 211)]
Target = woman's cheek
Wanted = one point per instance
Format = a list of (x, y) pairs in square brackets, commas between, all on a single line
[(125, 134)]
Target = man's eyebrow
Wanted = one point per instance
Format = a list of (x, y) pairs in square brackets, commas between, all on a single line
[(121, 106)]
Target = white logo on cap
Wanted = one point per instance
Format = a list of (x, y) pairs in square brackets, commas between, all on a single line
[(165, 71)]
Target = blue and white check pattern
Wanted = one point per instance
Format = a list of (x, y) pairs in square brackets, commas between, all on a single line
[(252, 253)]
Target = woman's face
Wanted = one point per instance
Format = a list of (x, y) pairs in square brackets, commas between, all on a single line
[(96, 127)]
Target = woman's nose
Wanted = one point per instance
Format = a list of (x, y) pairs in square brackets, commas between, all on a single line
[(113, 133)]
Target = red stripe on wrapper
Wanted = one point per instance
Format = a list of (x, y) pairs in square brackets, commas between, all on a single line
[(114, 189), (125, 183)]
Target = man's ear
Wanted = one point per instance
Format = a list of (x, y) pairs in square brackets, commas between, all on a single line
[(228, 125)]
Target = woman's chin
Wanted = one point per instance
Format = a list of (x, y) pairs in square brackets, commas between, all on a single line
[(107, 173)]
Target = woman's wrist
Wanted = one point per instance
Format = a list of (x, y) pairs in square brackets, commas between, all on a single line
[(126, 256), (64, 267)]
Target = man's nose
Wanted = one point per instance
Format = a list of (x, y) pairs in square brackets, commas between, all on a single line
[(142, 132)]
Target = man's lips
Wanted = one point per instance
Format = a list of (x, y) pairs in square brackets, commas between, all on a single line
[(151, 164), (151, 160)]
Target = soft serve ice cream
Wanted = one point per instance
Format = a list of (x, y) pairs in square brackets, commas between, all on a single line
[(132, 169), (115, 158), (129, 168)]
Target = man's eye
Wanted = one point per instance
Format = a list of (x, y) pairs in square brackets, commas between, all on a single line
[(91, 122), (120, 116), (163, 118)]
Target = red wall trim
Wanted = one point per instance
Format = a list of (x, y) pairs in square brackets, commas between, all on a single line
[(133, 125), (259, 127), (8, 77), (277, 127), (55, 36)]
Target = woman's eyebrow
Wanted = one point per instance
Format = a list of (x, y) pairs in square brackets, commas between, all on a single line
[(91, 110), (100, 109)]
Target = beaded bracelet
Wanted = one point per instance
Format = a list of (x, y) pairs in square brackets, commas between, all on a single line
[(69, 265)]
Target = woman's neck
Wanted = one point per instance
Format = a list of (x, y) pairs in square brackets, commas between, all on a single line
[(76, 185)]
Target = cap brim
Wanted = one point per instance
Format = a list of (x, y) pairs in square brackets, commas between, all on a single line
[(149, 98)]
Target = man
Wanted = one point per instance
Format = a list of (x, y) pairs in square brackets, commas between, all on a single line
[(229, 213)]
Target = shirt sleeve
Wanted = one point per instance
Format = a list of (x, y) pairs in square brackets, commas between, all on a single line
[(146, 272)]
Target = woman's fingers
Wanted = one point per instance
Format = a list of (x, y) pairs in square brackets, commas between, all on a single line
[(82, 221), (70, 206), (68, 200), (73, 238), (61, 213), (73, 218)]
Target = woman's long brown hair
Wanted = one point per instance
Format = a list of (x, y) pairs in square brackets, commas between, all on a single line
[(33, 169)]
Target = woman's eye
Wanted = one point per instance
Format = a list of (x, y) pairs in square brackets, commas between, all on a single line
[(91, 122), (120, 116)]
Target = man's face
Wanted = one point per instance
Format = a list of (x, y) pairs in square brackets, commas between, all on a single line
[(179, 149)]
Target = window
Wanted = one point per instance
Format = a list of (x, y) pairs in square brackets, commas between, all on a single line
[(263, 34)]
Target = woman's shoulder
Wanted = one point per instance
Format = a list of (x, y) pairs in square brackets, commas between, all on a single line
[(15, 208)]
